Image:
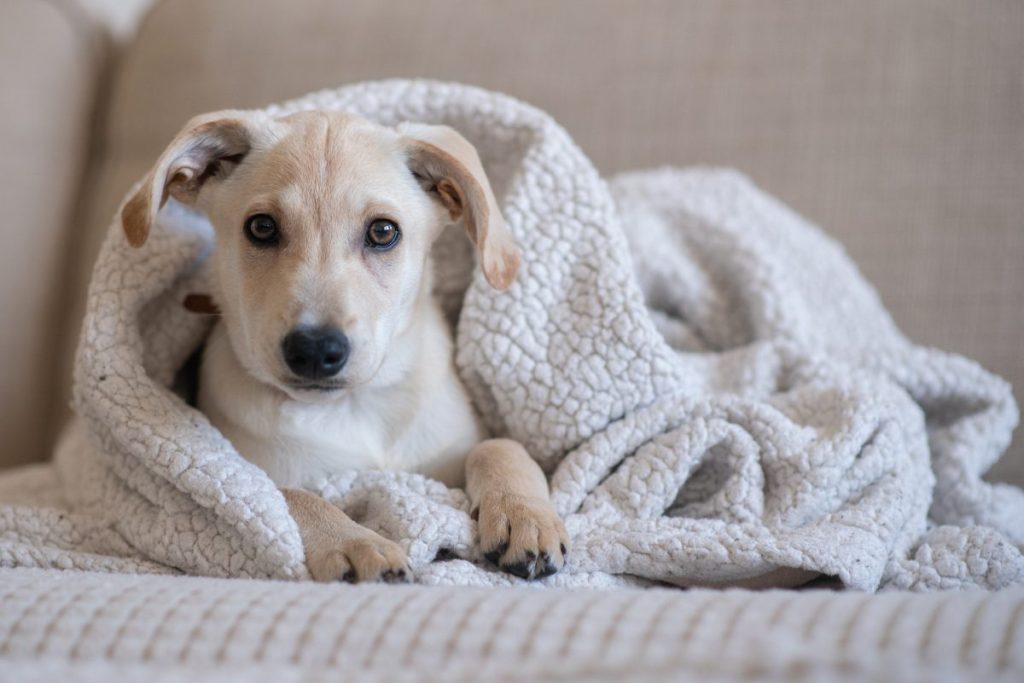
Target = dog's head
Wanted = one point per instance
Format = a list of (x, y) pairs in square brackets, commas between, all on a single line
[(324, 223)]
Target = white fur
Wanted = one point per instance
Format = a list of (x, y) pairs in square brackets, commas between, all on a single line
[(416, 417)]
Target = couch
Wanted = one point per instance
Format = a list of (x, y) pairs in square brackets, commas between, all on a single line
[(897, 127)]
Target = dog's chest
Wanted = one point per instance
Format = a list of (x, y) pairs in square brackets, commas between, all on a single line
[(403, 428), (298, 444), (337, 437)]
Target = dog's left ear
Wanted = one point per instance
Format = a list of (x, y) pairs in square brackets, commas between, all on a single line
[(447, 166)]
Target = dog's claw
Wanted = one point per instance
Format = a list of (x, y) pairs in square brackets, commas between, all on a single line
[(366, 557), (525, 535), (523, 570), (545, 567), (532, 567), (494, 556), (395, 576)]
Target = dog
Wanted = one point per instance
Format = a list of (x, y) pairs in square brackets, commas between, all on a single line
[(330, 352)]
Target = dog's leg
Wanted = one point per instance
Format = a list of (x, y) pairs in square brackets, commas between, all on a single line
[(518, 526), (337, 548)]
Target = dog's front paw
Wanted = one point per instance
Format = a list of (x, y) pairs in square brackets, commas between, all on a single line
[(359, 557), (522, 534)]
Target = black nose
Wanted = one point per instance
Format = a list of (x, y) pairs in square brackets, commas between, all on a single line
[(315, 353)]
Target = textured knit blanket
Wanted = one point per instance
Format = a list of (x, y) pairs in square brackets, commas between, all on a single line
[(714, 390)]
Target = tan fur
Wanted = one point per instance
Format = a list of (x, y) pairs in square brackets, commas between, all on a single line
[(397, 404), (517, 524), (453, 178), (337, 547)]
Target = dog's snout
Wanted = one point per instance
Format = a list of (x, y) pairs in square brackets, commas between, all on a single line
[(315, 353)]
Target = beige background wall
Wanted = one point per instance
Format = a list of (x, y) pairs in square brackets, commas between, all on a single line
[(898, 126), (119, 17)]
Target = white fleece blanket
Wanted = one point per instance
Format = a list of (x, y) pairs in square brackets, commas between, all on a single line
[(714, 389)]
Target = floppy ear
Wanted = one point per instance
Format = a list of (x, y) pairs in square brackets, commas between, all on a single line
[(207, 146), (447, 165)]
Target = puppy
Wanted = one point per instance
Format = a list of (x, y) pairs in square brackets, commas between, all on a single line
[(330, 352)]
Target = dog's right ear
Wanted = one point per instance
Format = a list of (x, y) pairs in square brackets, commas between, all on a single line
[(448, 167), (209, 145)]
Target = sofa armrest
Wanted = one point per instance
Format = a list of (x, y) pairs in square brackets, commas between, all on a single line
[(52, 58)]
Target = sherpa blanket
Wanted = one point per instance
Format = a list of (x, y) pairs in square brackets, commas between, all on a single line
[(714, 389)]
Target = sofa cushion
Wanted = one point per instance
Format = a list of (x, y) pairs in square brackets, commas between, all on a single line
[(897, 126), (50, 60), (95, 627)]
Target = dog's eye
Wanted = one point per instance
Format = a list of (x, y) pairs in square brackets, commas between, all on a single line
[(382, 234), (261, 230)]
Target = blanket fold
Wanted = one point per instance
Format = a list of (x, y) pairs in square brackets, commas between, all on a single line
[(715, 391)]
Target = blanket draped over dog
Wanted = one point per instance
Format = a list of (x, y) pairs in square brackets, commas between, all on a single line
[(714, 390)]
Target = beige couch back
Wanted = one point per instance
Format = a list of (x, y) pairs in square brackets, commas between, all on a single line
[(50, 61), (897, 126)]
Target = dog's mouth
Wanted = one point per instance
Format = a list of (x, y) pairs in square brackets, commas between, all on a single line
[(321, 387)]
